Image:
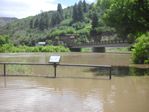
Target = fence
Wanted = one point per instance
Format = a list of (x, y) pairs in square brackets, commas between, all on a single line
[(55, 65)]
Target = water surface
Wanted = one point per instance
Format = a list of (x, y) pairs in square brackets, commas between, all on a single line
[(32, 94), (76, 89)]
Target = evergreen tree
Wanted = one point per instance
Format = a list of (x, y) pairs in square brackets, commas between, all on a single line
[(36, 23), (46, 20), (56, 19), (41, 22), (94, 20), (53, 20), (94, 33), (75, 13), (60, 11), (31, 23), (84, 6), (80, 11)]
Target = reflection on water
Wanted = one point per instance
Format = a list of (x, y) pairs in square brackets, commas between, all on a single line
[(131, 71), (121, 94)]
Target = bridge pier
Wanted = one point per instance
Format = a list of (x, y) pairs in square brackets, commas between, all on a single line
[(75, 49), (98, 49)]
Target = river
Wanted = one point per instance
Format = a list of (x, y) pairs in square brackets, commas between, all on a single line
[(75, 89)]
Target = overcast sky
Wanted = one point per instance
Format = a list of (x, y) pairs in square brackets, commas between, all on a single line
[(25, 8)]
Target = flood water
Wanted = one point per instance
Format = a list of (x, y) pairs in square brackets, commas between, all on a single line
[(75, 89)]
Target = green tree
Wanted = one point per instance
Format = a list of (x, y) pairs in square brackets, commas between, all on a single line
[(95, 34), (80, 11), (4, 39), (103, 5), (53, 22), (41, 23), (36, 23), (84, 6), (57, 16), (56, 19), (141, 49), (78, 14), (75, 13), (31, 23), (44, 21), (94, 19), (128, 17), (60, 11)]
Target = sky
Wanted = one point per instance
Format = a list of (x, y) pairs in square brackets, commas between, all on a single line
[(24, 8)]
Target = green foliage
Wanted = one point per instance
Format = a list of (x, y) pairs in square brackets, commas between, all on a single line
[(4, 39), (86, 50), (52, 24), (40, 21), (78, 25), (66, 22), (75, 13), (85, 8), (60, 11), (44, 21), (57, 16), (79, 10), (103, 5), (48, 25), (61, 31), (5, 20), (141, 49), (94, 20), (128, 17), (11, 48), (56, 19)]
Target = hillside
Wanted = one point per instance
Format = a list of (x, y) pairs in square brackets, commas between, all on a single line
[(6, 20), (87, 22), (46, 26)]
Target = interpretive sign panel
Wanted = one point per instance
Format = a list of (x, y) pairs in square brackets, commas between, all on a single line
[(54, 59)]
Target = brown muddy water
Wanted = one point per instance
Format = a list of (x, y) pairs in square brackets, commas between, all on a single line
[(75, 89)]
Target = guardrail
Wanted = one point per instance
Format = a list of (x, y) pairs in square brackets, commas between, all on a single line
[(55, 66), (117, 41)]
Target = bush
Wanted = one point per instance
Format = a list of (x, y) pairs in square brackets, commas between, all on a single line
[(141, 50), (66, 22), (61, 31), (12, 48), (4, 39)]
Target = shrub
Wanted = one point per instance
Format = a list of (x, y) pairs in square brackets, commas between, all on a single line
[(141, 50), (12, 48), (4, 39)]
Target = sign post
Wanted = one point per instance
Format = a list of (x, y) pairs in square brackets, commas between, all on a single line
[(55, 60)]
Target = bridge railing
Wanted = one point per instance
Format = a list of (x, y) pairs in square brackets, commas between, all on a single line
[(116, 41)]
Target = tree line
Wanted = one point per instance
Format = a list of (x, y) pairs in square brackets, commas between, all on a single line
[(43, 21)]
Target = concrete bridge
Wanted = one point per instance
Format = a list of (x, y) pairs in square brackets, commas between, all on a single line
[(99, 46)]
